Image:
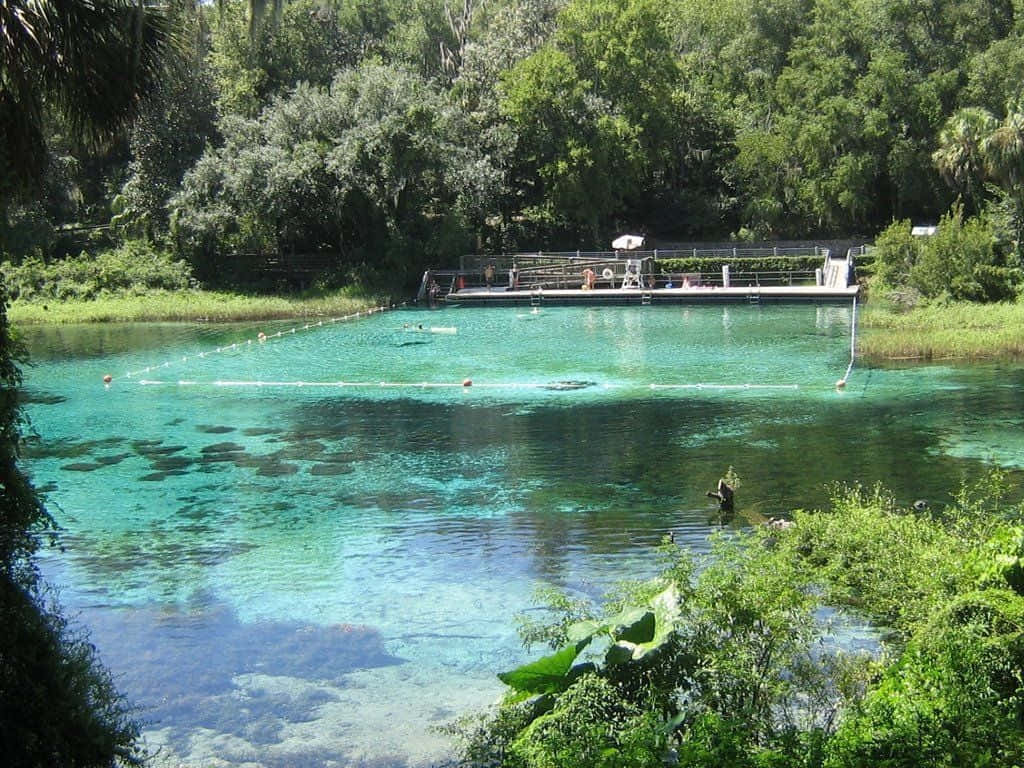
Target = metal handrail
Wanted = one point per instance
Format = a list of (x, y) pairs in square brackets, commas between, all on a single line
[(503, 261)]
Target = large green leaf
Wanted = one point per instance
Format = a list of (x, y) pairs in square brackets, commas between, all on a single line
[(640, 631), (547, 675), (648, 633), (613, 625), (585, 630)]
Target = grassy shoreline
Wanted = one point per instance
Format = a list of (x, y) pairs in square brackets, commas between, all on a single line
[(958, 331), (189, 306)]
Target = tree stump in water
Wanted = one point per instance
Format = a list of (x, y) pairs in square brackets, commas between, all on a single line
[(724, 494)]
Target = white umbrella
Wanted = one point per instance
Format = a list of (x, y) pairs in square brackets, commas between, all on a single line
[(628, 242)]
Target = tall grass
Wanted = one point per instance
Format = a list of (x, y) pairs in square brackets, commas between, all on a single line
[(188, 305), (962, 330)]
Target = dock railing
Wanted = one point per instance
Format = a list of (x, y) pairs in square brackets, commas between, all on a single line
[(564, 269)]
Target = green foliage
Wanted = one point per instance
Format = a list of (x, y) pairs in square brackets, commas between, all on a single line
[(308, 44), (134, 268), (111, 54), (962, 261), (22, 516), (591, 726), (746, 673), (196, 306), (548, 675), (995, 75), (576, 120), (960, 157), (1005, 561), (513, 32), (379, 167), (876, 556), (670, 658), (554, 602), (953, 698), (714, 266), (173, 127), (58, 706), (894, 254), (942, 331), (601, 123)]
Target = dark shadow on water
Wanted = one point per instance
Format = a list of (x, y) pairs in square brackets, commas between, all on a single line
[(416, 343), (67, 449), (39, 397), (214, 429), (178, 667)]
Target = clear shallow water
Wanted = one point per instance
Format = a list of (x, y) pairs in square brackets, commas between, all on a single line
[(310, 550)]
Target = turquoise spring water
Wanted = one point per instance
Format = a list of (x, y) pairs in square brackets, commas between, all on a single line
[(310, 550)]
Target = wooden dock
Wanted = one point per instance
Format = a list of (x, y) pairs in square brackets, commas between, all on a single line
[(502, 296), (658, 277)]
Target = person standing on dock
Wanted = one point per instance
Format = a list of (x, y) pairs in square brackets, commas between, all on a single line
[(489, 275), (589, 276)]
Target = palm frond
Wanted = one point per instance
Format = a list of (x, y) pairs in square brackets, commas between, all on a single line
[(94, 60)]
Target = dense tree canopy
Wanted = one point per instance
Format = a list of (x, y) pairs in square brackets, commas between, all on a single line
[(378, 168), (555, 124)]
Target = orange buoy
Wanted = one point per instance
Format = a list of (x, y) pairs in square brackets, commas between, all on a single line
[(107, 378), (467, 382)]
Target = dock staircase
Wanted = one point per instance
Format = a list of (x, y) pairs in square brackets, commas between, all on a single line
[(838, 270)]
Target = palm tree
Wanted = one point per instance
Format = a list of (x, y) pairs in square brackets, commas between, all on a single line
[(91, 61), (1004, 148), (961, 157), (1004, 155)]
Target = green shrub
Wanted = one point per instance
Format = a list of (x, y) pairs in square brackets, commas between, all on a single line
[(134, 268), (713, 265), (699, 665), (591, 726), (58, 705), (963, 260), (952, 699), (729, 662), (894, 254)]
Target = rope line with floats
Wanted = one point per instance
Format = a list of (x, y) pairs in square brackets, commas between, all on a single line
[(552, 386), (261, 338), (841, 384)]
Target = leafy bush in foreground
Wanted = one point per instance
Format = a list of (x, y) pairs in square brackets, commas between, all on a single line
[(729, 662)]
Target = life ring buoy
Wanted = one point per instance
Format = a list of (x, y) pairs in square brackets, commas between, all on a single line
[(607, 274)]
